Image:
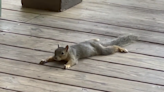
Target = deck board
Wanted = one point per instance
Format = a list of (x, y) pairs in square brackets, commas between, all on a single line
[(28, 84), (40, 44), (84, 80), (96, 28), (151, 22), (148, 4), (91, 66), (75, 37), (29, 35), (18, 16), (6, 90)]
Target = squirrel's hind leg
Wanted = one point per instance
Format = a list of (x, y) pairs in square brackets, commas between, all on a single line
[(111, 50)]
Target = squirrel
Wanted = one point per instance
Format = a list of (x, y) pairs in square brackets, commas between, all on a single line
[(89, 48)]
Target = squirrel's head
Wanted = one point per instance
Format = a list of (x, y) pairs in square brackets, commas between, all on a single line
[(61, 53)]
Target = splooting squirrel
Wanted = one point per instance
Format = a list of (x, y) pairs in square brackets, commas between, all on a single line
[(89, 48)]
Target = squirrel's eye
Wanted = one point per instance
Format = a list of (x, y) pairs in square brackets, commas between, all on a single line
[(62, 53)]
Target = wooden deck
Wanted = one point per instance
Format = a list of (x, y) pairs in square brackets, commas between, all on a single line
[(28, 35)]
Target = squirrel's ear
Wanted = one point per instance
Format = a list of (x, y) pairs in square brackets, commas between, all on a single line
[(58, 45), (67, 47)]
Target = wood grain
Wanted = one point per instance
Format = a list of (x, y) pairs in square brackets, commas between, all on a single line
[(122, 14), (47, 45), (33, 85), (96, 28), (23, 17), (28, 35), (75, 37), (75, 78), (5, 90), (91, 66), (148, 4)]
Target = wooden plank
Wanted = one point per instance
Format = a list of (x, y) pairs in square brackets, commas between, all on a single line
[(100, 28), (114, 19), (76, 78), (91, 66), (0, 8), (16, 2), (134, 60), (96, 28), (34, 85), (73, 36), (118, 15), (147, 4), (41, 44), (112, 5), (134, 12), (23, 17), (5, 90), (114, 31)]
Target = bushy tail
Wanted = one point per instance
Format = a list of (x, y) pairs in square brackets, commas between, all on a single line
[(122, 40)]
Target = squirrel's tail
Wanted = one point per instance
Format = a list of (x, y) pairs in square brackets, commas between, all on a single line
[(122, 40)]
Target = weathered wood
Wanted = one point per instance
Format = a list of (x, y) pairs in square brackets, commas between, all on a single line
[(75, 78), (91, 66), (98, 28), (33, 85), (147, 4), (5, 90), (27, 44), (134, 60), (18, 16), (0, 8), (41, 44), (73, 36), (53, 5), (118, 15)]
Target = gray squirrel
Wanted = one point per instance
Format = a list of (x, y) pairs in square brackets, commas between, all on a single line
[(89, 48)]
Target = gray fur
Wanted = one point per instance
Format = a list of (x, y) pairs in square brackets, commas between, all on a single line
[(94, 47), (122, 40), (90, 48)]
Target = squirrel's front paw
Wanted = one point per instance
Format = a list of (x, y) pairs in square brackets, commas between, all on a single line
[(67, 66), (42, 62)]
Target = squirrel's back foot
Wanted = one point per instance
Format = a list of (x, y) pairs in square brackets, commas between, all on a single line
[(122, 50), (96, 39)]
